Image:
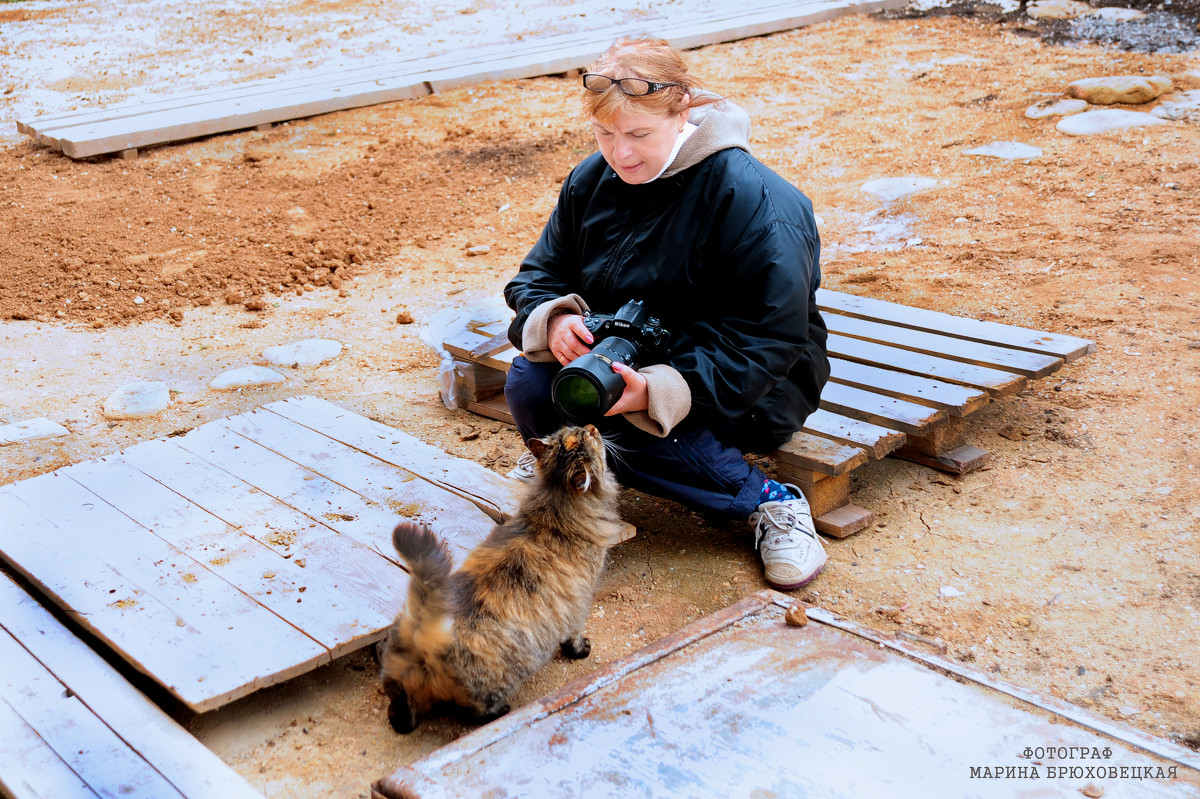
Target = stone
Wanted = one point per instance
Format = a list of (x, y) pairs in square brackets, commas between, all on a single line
[(1105, 120), (479, 249), (1192, 78), (1113, 14), (245, 377), (1058, 106), (796, 616), (1008, 150), (310, 352), (137, 400), (888, 189), (1127, 89), (1058, 9), (1185, 106), (30, 430)]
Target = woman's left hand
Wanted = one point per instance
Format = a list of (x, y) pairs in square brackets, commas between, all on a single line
[(636, 396)]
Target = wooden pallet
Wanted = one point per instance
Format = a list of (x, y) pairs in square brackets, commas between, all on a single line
[(743, 704), (902, 381), (126, 127), (71, 726), (247, 551)]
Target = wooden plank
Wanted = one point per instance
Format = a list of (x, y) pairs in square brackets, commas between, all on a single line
[(464, 342), (1066, 347), (1028, 364), (954, 399), (106, 136), (167, 613), (492, 407), (204, 113), (29, 767), (400, 491), (820, 455), (184, 762), (960, 460), (89, 748), (877, 441), (996, 382), (370, 581), (844, 521), (868, 406), (300, 592), (314, 495), (492, 493)]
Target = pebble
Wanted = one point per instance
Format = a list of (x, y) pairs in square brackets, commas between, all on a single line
[(888, 189), (1114, 14), (1058, 9), (479, 249), (1105, 120), (1128, 89), (1008, 150), (796, 616), (310, 352), (137, 400), (949, 591), (1185, 105), (1057, 107), (245, 377), (30, 430)]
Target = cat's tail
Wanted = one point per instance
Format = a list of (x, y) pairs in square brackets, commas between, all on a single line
[(429, 598)]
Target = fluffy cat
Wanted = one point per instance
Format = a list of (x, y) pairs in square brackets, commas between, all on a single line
[(473, 636)]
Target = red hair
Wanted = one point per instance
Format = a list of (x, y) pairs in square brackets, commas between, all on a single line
[(650, 59)]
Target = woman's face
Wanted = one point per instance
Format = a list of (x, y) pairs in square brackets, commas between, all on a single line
[(637, 145)]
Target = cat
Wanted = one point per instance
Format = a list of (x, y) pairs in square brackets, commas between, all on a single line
[(473, 636)]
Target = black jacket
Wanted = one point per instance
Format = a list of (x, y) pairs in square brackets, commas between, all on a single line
[(725, 253)]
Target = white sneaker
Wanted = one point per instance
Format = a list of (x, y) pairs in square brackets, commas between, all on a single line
[(787, 542), (524, 468)]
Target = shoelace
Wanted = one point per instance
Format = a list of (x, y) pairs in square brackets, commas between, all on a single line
[(783, 529)]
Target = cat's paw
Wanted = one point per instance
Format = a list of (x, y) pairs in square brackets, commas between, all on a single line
[(576, 648)]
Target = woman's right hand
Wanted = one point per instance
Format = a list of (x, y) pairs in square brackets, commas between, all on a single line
[(569, 338)]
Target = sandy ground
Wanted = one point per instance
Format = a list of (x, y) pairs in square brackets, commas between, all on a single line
[(1069, 566)]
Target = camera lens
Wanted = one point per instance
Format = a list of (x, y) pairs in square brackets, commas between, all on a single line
[(577, 397), (585, 389)]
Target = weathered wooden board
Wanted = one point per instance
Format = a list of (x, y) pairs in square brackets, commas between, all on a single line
[(71, 726), (997, 382), (954, 399), (1029, 364), (1057, 345), (247, 551), (128, 126), (742, 704)]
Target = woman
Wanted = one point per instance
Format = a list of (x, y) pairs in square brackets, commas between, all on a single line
[(675, 212)]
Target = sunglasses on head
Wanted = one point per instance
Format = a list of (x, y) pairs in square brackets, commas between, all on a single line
[(631, 87)]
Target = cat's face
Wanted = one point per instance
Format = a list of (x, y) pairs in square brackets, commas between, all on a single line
[(572, 457)]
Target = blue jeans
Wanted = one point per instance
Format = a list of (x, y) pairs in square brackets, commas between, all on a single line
[(690, 465)]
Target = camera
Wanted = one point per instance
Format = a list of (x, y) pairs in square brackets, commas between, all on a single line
[(586, 388)]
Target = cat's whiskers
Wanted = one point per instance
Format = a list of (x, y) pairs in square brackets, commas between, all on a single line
[(616, 453)]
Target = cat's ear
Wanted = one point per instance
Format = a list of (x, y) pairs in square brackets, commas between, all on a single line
[(538, 447)]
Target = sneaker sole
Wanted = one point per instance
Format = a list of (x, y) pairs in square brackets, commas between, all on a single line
[(794, 586)]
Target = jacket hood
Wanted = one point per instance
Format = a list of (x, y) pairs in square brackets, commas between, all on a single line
[(719, 126)]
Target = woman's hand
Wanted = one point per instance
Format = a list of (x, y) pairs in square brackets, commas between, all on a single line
[(568, 337), (636, 396)]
